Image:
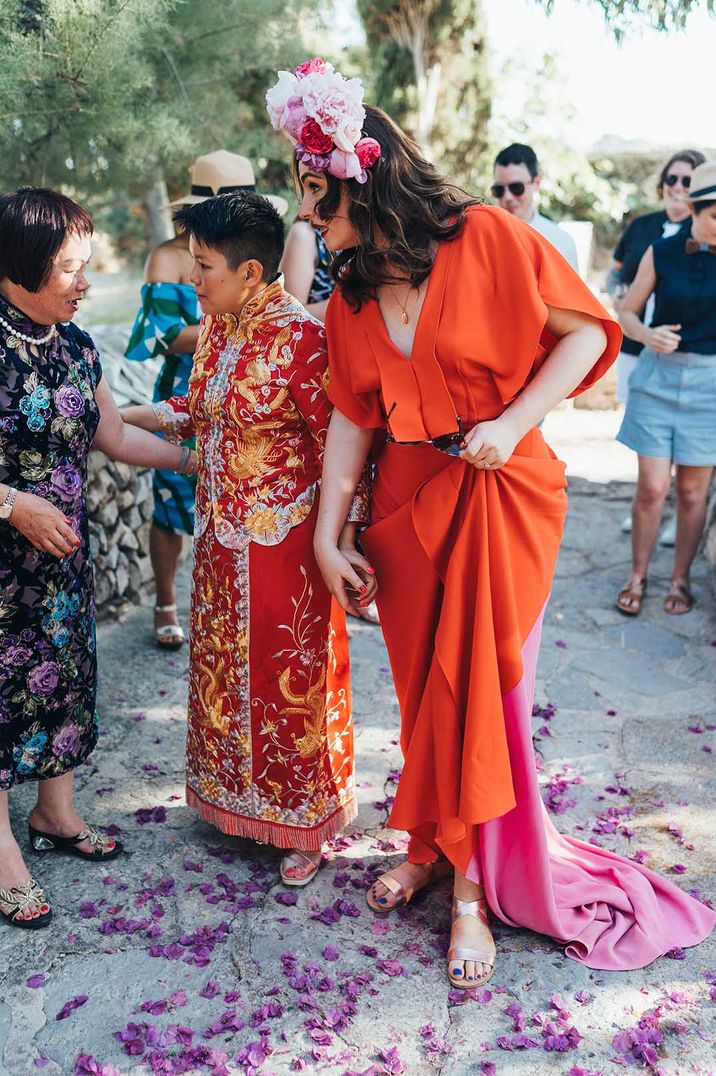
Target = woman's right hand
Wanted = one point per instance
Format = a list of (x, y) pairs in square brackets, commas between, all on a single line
[(348, 587), (663, 338), (43, 525)]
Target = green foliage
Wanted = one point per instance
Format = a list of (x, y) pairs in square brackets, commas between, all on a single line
[(625, 15), (100, 96), (428, 70)]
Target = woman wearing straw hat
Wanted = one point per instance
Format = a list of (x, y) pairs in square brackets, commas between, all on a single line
[(167, 324), (671, 412)]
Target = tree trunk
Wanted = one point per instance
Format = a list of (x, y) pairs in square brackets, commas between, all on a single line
[(159, 217)]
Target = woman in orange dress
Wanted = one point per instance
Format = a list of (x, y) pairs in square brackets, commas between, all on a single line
[(456, 328)]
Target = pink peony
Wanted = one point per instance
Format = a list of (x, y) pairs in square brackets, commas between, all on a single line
[(313, 139), (344, 165), (367, 151), (336, 104), (316, 64), (278, 96), (294, 118)]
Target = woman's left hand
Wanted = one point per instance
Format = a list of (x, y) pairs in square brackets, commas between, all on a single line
[(489, 445)]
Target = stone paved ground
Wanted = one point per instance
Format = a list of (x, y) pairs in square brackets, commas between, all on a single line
[(188, 947)]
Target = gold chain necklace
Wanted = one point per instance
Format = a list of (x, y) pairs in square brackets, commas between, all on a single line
[(404, 317)]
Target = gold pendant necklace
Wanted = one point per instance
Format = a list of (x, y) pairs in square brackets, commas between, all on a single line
[(404, 316)]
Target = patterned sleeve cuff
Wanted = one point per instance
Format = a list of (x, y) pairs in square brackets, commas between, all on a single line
[(172, 424), (359, 511)]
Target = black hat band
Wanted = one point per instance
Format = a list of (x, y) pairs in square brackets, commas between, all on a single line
[(704, 190), (209, 192)]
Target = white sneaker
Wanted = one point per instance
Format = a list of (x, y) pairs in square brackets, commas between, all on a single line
[(668, 533), (625, 525)]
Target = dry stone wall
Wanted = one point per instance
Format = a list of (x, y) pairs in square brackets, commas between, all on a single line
[(119, 496)]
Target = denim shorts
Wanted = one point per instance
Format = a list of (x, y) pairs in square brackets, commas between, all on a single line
[(671, 409)]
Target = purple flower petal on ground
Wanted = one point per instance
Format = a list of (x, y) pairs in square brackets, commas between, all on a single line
[(678, 868), (331, 953), (211, 989), (35, 981), (391, 967), (676, 953), (287, 898), (488, 1068), (560, 643)]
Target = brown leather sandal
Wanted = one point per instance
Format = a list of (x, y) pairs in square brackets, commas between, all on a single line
[(679, 603), (629, 599)]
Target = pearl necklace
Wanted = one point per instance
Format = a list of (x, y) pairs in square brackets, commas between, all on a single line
[(23, 336)]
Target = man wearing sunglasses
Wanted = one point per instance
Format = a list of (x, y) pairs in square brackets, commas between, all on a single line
[(515, 181)]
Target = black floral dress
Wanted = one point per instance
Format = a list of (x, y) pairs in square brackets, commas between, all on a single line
[(48, 667)]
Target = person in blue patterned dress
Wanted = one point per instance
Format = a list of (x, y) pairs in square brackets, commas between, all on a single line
[(54, 406), (168, 324)]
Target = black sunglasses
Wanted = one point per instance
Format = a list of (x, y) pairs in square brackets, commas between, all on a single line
[(451, 444), (517, 189), (671, 180)]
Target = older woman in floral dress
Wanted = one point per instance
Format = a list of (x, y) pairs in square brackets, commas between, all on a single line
[(54, 406)]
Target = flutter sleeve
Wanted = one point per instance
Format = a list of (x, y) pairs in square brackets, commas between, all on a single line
[(527, 275), (353, 377), (166, 309)]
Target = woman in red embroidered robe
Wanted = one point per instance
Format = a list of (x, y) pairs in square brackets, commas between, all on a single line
[(270, 742)]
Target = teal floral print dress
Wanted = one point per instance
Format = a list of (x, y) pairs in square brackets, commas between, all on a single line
[(48, 667)]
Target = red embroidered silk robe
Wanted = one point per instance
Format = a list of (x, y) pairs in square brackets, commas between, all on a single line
[(270, 742)]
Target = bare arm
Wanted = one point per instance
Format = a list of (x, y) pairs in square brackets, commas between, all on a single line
[(347, 447), (582, 340), (121, 441), (184, 343), (141, 415), (662, 338), (298, 263), (167, 263)]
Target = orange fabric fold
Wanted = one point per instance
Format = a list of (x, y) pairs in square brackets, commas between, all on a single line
[(464, 557)]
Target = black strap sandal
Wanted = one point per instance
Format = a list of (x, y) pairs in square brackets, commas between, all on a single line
[(20, 900), (50, 842)]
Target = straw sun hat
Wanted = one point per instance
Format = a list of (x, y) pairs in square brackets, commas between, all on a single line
[(703, 182), (221, 172)]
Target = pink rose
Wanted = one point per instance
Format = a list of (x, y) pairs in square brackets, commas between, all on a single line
[(278, 96), (367, 151), (344, 165), (314, 140), (310, 66)]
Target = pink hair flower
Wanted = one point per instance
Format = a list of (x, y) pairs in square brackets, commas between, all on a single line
[(309, 67), (367, 152)]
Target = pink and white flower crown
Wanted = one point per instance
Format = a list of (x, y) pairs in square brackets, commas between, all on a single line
[(322, 113)]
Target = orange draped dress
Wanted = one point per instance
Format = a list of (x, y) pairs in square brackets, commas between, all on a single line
[(464, 559)]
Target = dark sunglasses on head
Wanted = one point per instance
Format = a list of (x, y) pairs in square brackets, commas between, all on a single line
[(451, 444), (517, 189), (671, 180)]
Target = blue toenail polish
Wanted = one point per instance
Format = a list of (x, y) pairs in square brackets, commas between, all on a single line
[(470, 978), (457, 973), (381, 900)]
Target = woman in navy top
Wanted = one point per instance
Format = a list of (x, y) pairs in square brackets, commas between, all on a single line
[(670, 415), (638, 236)]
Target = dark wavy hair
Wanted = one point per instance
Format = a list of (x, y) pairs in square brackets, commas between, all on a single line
[(687, 156), (404, 200)]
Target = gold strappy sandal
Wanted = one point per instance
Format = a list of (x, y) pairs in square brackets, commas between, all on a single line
[(433, 872), (478, 910), (19, 900)]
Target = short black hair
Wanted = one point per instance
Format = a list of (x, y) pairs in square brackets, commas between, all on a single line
[(703, 204), (34, 223), (519, 153), (242, 225)]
